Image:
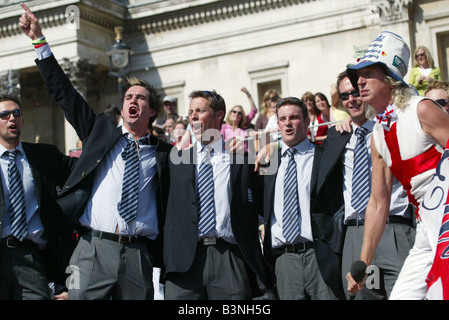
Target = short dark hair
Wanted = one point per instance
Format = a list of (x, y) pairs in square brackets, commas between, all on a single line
[(294, 101), (154, 97), (10, 97), (340, 78), (216, 101)]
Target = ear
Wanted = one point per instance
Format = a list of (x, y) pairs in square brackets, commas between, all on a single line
[(152, 113), (219, 115)]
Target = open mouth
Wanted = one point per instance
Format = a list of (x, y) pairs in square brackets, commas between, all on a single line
[(196, 127), (133, 111)]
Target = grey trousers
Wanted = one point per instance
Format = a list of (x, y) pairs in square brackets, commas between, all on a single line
[(393, 249), (298, 278), (105, 269), (23, 274), (219, 272)]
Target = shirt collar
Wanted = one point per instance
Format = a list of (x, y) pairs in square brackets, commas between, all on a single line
[(125, 133), (301, 147), (216, 146), (369, 124), (19, 147)]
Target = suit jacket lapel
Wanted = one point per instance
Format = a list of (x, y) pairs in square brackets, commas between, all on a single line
[(35, 172), (235, 169), (333, 150), (269, 185)]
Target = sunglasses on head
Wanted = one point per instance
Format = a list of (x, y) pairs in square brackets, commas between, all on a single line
[(210, 93), (442, 102), (6, 114), (345, 95)]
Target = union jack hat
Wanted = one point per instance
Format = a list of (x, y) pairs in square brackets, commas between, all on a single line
[(388, 50)]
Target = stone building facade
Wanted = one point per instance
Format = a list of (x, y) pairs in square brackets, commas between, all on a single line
[(183, 45)]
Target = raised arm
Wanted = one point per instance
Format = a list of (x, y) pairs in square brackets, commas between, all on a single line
[(76, 110)]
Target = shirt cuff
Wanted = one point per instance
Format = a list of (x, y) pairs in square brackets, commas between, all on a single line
[(43, 52)]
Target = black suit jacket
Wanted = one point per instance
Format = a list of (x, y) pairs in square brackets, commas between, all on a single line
[(181, 227), (326, 204), (50, 168), (98, 134)]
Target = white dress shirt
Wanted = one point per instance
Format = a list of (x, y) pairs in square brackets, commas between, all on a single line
[(399, 201), (35, 227), (221, 166), (102, 209), (304, 163)]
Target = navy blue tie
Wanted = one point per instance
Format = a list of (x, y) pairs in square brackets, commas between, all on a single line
[(206, 203), (290, 219), (130, 189), (361, 173), (16, 198)]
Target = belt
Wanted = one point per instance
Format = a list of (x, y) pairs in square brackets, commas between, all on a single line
[(292, 248), (391, 219), (120, 238), (13, 243), (212, 241)]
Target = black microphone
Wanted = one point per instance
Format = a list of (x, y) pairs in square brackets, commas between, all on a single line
[(358, 272)]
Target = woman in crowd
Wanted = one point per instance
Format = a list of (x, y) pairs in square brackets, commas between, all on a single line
[(424, 70)]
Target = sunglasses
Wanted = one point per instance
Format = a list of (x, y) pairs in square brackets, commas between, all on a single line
[(238, 112), (273, 99), (345, 95), (6, 114), (442, 102), (420, 55)]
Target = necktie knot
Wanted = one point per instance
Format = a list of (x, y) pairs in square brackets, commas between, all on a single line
[(130, 149), (132, 145), (290, 152), (361, 132), (207, 155), (12, 154)]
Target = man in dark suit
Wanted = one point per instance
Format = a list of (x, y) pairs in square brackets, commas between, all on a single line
[(340, 152), (119, 221), (211, 245), (302, 241), (36, 238)]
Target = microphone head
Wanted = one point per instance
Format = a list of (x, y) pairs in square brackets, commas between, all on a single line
[(358, 270)]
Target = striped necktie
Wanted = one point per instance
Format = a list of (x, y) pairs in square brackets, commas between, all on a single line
[(290, 218), (130, 189), (206, 203), (16, 198), (361, 173)]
